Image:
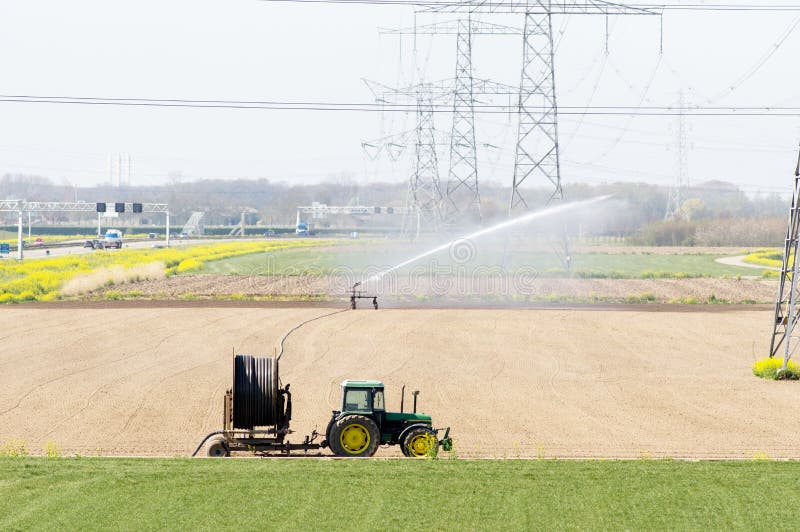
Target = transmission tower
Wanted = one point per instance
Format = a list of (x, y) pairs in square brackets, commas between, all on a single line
[(462, 195), (785, 332), (424, 200), (462, 189), (119, 169), (426, 197), (537, 150), (675, 199), (537, 134)]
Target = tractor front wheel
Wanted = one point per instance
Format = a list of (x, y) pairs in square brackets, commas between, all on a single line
[(420, 443), (354, 436)]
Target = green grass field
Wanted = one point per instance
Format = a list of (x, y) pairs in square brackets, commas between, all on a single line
[(297, 494), (601, 265)]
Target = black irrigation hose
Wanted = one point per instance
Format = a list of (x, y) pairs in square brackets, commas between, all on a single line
[(255, 391), (293, 329), (204, 440), (255, 385)]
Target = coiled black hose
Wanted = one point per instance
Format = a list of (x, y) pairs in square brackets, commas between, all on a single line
[(255, 391)]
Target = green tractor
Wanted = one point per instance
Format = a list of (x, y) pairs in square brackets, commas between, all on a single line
[(257, 412), (363, 424)]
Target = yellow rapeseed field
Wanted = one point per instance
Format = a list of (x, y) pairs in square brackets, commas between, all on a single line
[(766, 257), (42, 279)]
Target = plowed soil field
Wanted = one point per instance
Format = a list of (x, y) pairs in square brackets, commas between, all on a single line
[(112, 380)]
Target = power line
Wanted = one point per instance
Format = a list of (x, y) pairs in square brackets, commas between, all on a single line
[(596, 110), (499, 5), (771, 50)]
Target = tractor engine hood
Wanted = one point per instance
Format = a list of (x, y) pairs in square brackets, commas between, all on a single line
[(408, 417)]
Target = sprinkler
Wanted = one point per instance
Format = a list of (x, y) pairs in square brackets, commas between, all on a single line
[(358, 294)]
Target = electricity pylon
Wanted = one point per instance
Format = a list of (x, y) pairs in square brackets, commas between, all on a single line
[(785, 333), (537, 150), (425, 193), (675, 196), (426, 196), (462, 200)]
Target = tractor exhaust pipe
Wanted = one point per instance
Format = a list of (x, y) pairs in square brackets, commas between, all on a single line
[(415, 393), (402, 398)]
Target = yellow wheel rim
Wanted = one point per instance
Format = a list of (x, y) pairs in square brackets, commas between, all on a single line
[(420, 445), (354, 438)]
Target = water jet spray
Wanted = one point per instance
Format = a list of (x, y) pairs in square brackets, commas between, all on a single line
[(520, 220)]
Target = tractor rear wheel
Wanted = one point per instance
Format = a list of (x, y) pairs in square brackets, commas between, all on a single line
[(420, 443), (218, 448), (354, 436)]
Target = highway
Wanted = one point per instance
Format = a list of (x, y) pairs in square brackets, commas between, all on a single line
[(78, 249)]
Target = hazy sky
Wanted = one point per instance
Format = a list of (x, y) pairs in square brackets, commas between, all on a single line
[(255, 50)]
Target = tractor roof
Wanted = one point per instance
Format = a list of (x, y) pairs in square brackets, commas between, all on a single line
[(362, 384)]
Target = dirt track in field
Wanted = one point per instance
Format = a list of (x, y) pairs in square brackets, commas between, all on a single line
[(511, 383)]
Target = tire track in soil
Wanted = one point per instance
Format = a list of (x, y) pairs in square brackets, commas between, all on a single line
[(141, 402), (110, 385), (62, 377)]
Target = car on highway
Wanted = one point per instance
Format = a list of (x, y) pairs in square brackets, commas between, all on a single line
[(89, 244), (39, 242), (113, 239), (151, 235)]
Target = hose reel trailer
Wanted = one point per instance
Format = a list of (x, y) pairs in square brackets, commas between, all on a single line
[(257, 412), (256, 398)]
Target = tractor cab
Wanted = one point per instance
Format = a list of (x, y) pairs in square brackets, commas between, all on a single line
[(362, 424), (363, 397)]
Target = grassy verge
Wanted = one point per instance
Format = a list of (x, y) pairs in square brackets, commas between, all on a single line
[(136, 494)]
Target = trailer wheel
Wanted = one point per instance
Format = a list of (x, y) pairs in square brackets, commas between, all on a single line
[(420, 443), (218, 448), (354, 436)]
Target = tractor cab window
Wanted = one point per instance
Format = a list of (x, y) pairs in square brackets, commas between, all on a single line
[(357, 401), (377, 400)]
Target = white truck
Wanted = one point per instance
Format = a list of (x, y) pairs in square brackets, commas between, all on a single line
[(113, 239)]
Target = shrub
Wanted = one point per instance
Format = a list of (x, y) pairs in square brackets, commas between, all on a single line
[(770, 368), (741, 232), (667, 233)]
